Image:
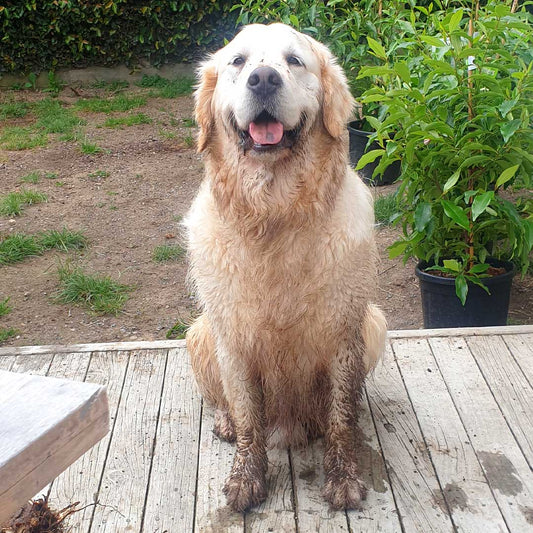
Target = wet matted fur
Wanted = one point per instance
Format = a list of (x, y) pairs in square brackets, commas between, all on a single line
[(282, 259)]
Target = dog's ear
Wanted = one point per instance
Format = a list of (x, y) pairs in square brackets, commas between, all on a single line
[(207, 75), (338, 102)]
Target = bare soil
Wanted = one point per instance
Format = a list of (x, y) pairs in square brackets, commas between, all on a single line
[(151, 182)]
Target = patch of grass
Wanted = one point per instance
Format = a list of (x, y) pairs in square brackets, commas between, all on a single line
[(178, 330), (52, 117), (189, 141), (17, 247), (22, 138), (111, 86), (98, 175), (32, 177), (88, 147), (100, 294), (167, 252), (13, 110), (51, 175), (385, 207), (63, 240), (165, 88), (167, 134), (13, 204), (7, 333), (131, 120), (188, 122), (108, 105), (5, 308)]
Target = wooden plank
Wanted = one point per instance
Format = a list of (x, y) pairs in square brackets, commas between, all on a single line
[(171, 492), (214, 465), (277, 512), (521, 347), (93, 347), (379, 513), (510, 387), (50, 423), (81, 481), (126, 472), (503, 463), (6, 362), (312, 511), (466, 491), (37, 365), (461, 332), (413, 478)]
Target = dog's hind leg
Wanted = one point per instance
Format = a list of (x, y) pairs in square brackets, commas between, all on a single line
[(201, 348)]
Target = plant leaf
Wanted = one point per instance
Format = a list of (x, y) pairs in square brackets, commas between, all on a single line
[(396, 249), (456, 214), (506, 175), (461, 288), (369, 157), (480, 203), (433, 41), (377, 48), (422, 216), (509, 129), (455, 20), (452, 180), (452, 265)]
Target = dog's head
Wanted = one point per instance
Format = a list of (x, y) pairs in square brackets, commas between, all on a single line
[(268, 88)]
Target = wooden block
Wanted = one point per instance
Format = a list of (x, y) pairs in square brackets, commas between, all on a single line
[(45, 425)]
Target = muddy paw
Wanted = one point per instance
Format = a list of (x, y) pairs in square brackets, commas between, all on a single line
[(224, 428), (343, 492), (246, 485)]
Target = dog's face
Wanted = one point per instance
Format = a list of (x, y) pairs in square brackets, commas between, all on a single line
[(269, 87)]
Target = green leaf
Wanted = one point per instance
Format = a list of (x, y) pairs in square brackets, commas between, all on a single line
[(398, 248), (294, 21), (422, 216), (377, 48), (509, 129), (455, 20), (505, 107), (480, 203), (506, 175), (402, 70), (369, 157), (461, 288), (452, 264), (433, 41), (456, 214), (452, 180), (479, 269)]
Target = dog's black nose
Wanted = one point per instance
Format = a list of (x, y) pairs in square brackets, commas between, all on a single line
[(264, 81)]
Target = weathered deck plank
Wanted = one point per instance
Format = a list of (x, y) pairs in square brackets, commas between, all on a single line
[(467, 495), (502, 460)]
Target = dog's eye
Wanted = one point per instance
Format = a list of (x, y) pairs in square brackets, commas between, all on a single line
[(238, 61), (293, 60)]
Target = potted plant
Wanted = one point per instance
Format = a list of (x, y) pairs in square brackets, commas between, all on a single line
[(460, 102)]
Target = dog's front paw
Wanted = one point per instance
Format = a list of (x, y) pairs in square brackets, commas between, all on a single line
[(246, 485), (344, 492)]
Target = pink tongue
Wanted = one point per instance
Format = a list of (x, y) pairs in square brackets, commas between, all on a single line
[(266, 132)]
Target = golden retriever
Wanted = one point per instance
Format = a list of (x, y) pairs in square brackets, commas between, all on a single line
[(282, 258)]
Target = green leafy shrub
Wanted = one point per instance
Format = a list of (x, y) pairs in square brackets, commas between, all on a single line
[(45, 34)]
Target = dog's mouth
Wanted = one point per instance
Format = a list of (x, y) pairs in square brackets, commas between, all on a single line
[(265, 133)]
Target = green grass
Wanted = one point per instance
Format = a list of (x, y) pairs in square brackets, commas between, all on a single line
[(32, 177), (98, 175), (22, 138), (101, 295), (13, 110), (108, 105), (7, 333), (165, 88), (169, 135), (13, 203), (131, 120), (111, 86), (178, 330), (167, 252), (51, 175), (17, 247), (52, 117), (5, 308), (385, 207), (88, 147), (188, 122), (189, 141)]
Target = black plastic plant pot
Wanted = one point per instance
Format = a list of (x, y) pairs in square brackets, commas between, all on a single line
[(442, 308), (358, 141)]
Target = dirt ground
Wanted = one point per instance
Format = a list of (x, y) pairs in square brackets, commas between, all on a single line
[(152, 177)]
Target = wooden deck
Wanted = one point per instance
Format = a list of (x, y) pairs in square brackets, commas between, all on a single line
[(448, 442)]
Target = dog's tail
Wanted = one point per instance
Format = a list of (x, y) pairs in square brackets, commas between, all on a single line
[(374, 335)]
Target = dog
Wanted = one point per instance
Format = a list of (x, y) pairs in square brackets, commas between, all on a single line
[(282, 260)]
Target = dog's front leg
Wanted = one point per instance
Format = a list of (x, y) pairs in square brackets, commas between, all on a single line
[(246, 485), (343, 488)]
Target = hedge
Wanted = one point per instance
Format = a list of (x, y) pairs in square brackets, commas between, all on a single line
[(39, 35)]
